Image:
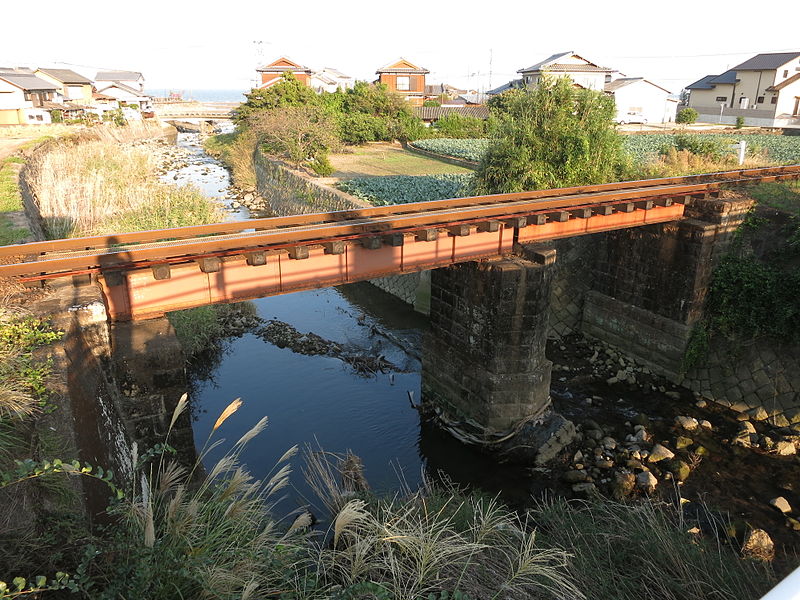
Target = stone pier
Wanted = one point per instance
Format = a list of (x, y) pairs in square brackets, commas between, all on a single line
[(484, 370)]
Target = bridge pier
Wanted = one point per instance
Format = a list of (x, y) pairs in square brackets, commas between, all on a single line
[(485, 373)]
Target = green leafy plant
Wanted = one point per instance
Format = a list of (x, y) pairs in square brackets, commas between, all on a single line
[(686, 116), (739, 122), (402, 189)]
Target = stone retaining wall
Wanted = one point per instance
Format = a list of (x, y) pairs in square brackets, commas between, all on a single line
[(291, 192), (411, 288)]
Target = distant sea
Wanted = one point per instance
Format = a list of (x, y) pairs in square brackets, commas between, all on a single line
[(204, 95)]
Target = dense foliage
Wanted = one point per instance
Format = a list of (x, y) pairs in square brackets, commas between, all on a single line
[(402, 189), (454, 125), (756, 288), (552, 136)]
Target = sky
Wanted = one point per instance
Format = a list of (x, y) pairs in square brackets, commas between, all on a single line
[(198, 44)]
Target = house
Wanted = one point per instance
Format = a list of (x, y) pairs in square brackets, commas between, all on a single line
[(132, 79), (764, 90), (24, 98), (273, 72), (642, 97), (69, 84), (442, 92), (405, 78), (514, 84), (126, 95), (330, 80), (581, 71)]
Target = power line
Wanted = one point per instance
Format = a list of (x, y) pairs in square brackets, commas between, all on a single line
[(715, 54)]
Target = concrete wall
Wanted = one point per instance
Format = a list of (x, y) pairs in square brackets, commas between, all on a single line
[(290, 192), (411, 288)]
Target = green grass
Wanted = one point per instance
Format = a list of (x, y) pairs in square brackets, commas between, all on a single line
[(10, 201), (783, 196), (383, 160)]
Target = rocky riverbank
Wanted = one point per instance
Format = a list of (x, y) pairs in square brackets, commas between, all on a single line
[(640, 435)]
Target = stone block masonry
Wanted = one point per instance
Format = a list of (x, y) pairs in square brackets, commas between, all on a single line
[(484, 357), (291, 192)]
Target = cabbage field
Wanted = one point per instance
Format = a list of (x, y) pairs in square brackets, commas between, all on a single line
[(779, 149), (465, 149), (402, 189)]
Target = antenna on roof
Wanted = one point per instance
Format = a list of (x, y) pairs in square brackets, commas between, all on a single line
[(490, 68)]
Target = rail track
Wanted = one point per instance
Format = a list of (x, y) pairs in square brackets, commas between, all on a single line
[(372, 227)]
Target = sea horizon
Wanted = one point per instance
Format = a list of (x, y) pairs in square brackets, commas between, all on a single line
[(203, 95)]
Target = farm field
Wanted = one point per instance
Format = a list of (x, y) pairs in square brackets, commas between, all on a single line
[(376, 160), (402, 189), (778, 149)]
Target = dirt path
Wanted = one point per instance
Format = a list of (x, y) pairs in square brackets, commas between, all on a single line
[(10, 146), (380, 159)]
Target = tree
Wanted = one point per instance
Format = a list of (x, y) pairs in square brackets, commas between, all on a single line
[(301, 134), (454, 125), (552, 136), (289, 92)]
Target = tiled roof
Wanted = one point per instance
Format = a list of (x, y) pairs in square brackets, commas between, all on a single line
[(551, 64), (125, 88), (702, 84), (66, 76), (767, 62), (513, 84), (118, 76), (414, 69), (293, 66), (27, 82), (726, 77), (625, 81), (432, 113)]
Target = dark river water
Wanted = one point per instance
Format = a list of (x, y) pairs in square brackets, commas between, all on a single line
[(322, 402)]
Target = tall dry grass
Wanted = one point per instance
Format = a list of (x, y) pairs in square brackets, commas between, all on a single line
[(677, 163), (98, 186)]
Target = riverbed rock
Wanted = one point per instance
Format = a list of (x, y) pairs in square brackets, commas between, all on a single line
[(680, 469), (659, 453), (674, 395), (584, 488), (746, 427), (793, 524), (782, 504), (683, 442), (687, 423), (646, 481), (622, 486), (706, 424), (604, 463), (758, 545), (609, 443), (784, 448), (575, 476)]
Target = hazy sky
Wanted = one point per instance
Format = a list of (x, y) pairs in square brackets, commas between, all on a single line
[(199, 44)]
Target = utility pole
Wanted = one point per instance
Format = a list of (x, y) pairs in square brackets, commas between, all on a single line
[(490, 68)]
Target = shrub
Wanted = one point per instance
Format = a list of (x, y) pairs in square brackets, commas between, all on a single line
[(739, 122), (686, 116), (322, 166), (359, 128), (550, 137), (710, 147), (454, 125)]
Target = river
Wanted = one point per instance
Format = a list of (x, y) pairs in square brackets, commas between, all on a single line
[(320, 401)]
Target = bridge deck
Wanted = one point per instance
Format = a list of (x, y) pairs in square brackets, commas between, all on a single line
[(147, 273)]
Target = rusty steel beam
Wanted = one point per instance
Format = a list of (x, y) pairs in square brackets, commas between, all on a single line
[(178, 233), (136, 294)]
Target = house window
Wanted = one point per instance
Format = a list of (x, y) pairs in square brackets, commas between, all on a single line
[(774, 100), (722, 98), (760, 100), (785, 73), (404, 83)]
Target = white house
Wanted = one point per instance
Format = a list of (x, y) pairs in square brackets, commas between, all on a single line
[(329, 80), (24, 98), (764, 90), (637, 95), (125, 94), (581, 71), (132, 79)]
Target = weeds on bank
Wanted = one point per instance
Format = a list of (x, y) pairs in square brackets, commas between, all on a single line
[(101, 187), (631, 551), (10, 201), (235, 150)]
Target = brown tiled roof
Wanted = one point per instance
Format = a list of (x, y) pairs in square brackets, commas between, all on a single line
[(432, 113), (66, 76)]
